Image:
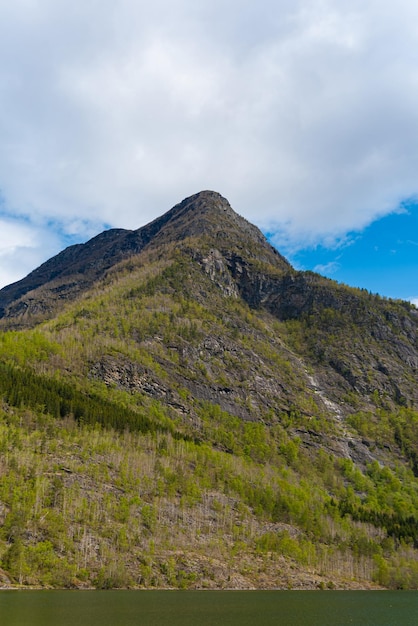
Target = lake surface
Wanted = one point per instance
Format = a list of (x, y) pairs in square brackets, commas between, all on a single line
[(208, 608)]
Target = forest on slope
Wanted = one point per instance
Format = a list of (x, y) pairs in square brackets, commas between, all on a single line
[(178, 424)]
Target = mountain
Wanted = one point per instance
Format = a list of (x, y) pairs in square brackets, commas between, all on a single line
[(73, 271), (183, 408)]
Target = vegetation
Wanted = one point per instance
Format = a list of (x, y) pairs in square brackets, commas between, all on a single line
[(85, 506), (21, 387), (173, 427)]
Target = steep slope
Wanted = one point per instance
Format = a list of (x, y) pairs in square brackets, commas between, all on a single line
[(263, 422), (355, 341), (71, 272)]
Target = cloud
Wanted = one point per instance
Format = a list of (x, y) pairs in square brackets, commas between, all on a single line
[(299, 112), (327, 268), (23, 246), (414, 301)]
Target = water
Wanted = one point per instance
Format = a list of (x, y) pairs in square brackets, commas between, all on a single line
[(208, 608)]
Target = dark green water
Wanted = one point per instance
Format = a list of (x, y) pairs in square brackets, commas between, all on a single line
[(208, 608)]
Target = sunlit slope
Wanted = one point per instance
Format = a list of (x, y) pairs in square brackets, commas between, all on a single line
[(202, 415)]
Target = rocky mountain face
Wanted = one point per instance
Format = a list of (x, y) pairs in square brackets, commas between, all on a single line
[(73, 271), (196, 327), (356, 342)]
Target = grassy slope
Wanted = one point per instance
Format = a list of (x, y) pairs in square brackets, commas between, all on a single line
[(193, 496)]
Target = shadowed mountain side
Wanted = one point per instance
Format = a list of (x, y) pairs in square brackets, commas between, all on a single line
[(75, 269)]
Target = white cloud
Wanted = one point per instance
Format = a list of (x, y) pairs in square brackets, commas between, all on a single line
[(23, 247), (299, 112), (327, 268), (414, 301)]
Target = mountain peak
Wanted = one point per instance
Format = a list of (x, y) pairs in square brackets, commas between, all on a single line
[(205, 217), (206, 197), (208, 213), (205, 201), (204, 204), (193, 214)]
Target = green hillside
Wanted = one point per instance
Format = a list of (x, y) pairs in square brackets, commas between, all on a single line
[(203, 416)]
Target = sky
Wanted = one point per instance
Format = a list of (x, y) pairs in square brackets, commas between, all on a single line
[(302, 113)]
